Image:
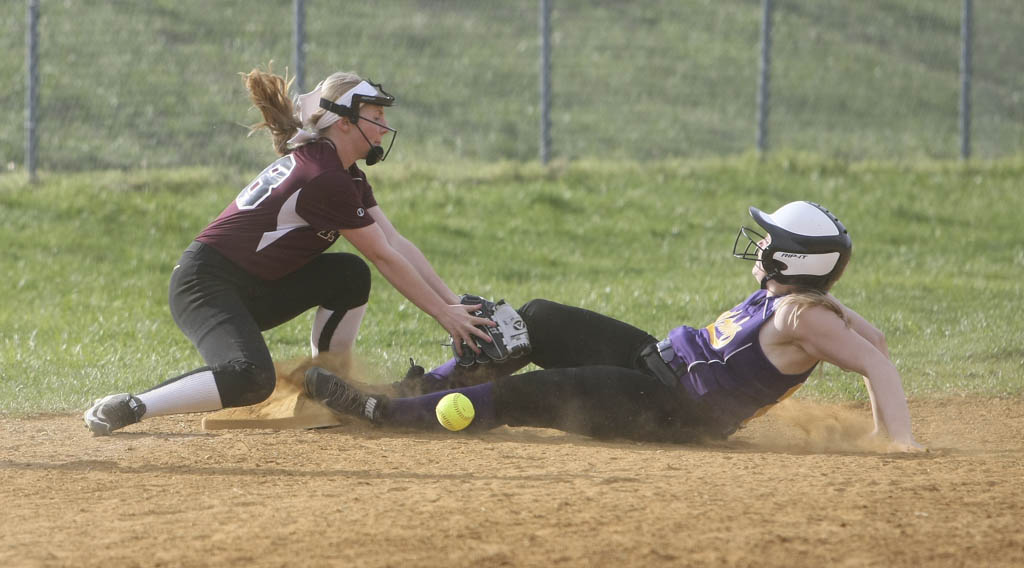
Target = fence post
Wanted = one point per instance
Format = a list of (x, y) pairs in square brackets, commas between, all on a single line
[(545, 81), (965, 78), (299, 44), (32, 92), (764, 77)]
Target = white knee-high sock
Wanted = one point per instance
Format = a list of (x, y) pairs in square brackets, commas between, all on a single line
[(192, 393), (343, 337)]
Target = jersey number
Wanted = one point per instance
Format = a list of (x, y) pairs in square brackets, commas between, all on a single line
[(271, 177)]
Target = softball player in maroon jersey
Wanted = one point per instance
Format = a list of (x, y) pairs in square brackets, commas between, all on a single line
[(605, 378), (262, 261)]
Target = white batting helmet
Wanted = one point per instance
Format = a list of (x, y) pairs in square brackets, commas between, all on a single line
[(808, 246)]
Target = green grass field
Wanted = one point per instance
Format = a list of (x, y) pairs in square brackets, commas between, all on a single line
[(937, 264)]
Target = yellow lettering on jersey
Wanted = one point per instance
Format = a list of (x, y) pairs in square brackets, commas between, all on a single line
[(725, 329), (764, 409)]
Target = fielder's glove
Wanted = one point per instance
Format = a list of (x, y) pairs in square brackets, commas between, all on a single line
[(509, 338)]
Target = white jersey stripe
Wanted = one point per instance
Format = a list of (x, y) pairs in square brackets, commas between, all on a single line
[(287, 220)]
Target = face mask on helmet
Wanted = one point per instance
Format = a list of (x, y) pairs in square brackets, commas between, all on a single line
[(807, 245), (366, 92)]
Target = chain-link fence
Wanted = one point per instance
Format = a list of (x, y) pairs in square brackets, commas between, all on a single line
[(126, 84)]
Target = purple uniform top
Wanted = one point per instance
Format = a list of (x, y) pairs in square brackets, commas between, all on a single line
[(291, 212), (724, 367)]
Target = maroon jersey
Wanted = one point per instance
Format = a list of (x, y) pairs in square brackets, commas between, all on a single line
[(291, 212)]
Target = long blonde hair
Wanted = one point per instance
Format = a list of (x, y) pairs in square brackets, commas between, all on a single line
[(806, 298), (269, 93)]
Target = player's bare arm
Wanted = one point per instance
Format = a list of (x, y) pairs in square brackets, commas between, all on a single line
[(456, 319), (865, 329), (824, 336)]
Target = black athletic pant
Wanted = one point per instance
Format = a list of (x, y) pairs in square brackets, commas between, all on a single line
[(599, 401), (223, 310), (593, 382), (560, 336), (567, 336)]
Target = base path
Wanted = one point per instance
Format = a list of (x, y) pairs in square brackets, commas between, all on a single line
[(796, 488)]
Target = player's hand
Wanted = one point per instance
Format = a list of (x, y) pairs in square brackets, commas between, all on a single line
[(907, 446), (461, 324)]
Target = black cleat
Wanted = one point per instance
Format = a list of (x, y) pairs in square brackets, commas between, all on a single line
[(113, 413), (417, 382), (415, 372), (411, 383), (341, 397)]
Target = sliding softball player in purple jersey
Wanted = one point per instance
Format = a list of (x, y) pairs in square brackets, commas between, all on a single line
[(604, 378), (263, 260)]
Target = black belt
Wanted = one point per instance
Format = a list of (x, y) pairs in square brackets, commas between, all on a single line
[(656, 357)]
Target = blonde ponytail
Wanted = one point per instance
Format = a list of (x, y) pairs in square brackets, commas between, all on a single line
[(803, 299), (269, 93)]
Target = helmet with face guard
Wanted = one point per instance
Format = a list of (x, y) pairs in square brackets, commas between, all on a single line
[(805, 245)]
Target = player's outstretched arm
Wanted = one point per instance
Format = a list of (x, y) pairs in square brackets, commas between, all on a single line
[(455, 319), (826, 337), (865, 329)]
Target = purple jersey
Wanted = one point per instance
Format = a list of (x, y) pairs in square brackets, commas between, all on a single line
[(723, 365), (291, 212)]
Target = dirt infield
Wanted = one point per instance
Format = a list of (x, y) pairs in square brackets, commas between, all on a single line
[(795, 488)]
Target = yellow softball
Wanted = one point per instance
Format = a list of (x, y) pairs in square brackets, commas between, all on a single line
[(455, 411)]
